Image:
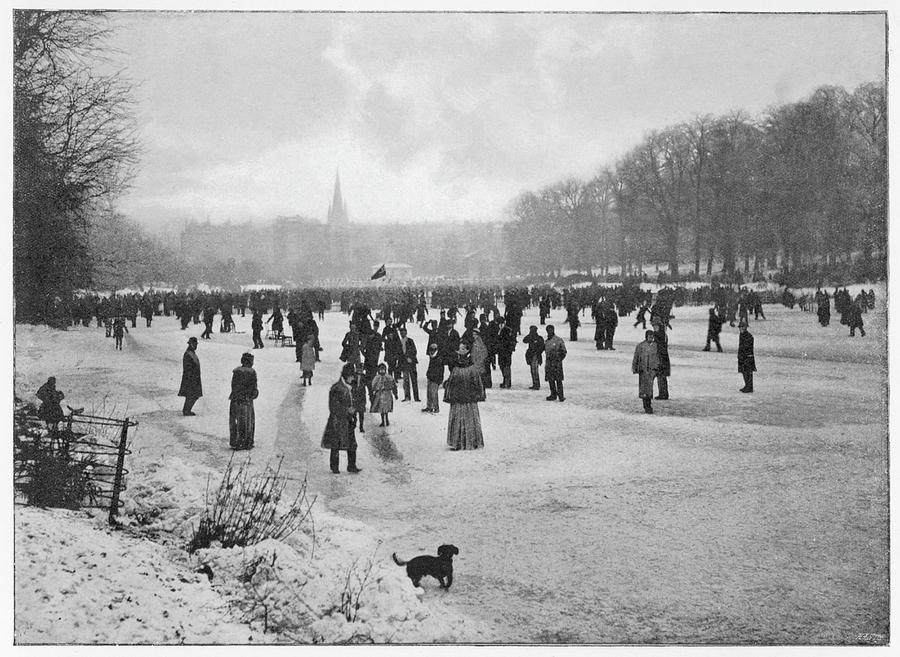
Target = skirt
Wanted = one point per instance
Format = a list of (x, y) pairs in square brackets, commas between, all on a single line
[(242, 424), (464, 427)]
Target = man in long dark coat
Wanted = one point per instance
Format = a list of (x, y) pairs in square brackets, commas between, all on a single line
[(714, 330), (555, 351), (339, 431), (241, 415), (612, 321), (662, 352), (533, 355), (191, 388), (746, 359)]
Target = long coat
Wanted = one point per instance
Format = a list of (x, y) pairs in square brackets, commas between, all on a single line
[(645, 364), (555, 350), (350, 347), (464, 386), (662, 352), (506, 345), (339, 430), (407, 361), (535, 348), (479, 353), (435, 372), (241, 416), (308, 356), (190, 376), (746, 360), (383, 389)]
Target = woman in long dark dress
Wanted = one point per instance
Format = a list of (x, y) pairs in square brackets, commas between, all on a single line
[(241, 416), (462, 391)]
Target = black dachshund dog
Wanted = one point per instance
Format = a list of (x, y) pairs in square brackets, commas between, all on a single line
[(439, 567)]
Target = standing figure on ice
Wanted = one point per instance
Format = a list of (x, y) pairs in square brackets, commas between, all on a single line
[(384, 389), (714, 330), (256, 323), (119, 331), (308, 359), (463, 390), (506, 345), (555, 350), (646, 365), (191, 387), (339, 430), (435, 376), (854, 319), (407, 361), (533, 355), (662, 352), (823, 302), (241, 416), (209, 313), (746, 360), (572, 310)]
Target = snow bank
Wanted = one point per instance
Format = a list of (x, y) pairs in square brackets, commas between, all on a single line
[(79, 581)]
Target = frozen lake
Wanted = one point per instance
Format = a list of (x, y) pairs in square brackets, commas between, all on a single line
[(722, 518)]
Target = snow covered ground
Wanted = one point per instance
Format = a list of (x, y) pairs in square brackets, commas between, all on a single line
[(723, 518)]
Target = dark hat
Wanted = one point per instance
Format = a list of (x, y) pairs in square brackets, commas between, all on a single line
[(743, 324), (649, 334), (192, 339)]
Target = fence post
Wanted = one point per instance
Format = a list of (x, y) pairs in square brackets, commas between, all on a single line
[(120, 465)]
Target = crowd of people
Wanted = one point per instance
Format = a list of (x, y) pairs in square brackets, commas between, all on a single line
[(469, 340)]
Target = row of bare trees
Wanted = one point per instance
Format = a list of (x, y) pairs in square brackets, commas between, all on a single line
[(74, 149), (805, 183)]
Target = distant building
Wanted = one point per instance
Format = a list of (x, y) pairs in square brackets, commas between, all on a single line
[(337, 211), (304, 250), (206, 243)]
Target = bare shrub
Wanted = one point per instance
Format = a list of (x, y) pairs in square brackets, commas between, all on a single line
[(244, 510), (355, 584)]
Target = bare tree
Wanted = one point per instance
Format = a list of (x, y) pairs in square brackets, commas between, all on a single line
[(74, 143)]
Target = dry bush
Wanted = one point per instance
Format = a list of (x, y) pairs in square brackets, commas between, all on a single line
[(244, 510)]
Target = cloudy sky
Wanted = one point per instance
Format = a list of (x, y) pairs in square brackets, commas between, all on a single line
[(435, 117)]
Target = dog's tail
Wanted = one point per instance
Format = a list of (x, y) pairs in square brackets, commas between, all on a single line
[(399, 562)]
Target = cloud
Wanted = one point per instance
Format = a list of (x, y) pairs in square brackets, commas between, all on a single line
[(444, 116)]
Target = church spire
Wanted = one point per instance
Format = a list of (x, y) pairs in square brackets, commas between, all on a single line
[(337, 210)]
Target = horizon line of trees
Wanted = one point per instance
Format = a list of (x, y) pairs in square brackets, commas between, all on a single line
[(802, 185)]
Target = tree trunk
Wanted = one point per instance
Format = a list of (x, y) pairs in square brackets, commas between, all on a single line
[(728, 255)]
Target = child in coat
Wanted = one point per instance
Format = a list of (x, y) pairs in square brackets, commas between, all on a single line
[(308, 356), (384, 388)]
